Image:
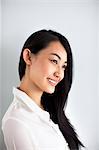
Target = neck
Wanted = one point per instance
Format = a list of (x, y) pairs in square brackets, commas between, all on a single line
[(32, 91)]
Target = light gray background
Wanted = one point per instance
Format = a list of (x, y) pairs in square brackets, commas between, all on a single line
[(78, 21)]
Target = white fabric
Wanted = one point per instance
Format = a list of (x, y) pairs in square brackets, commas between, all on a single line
[(27, 127)]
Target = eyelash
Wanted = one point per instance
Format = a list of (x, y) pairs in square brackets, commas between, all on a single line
[(64, 67), (56, 62)]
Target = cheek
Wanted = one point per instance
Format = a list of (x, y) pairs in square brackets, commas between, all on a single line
[(45, 68), (42, 68)]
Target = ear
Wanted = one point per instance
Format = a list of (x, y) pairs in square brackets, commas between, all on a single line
[(27, 56)]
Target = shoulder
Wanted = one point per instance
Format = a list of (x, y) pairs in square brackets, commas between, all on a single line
[(19, 112)]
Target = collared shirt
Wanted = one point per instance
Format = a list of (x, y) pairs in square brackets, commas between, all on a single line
[(28, 127)]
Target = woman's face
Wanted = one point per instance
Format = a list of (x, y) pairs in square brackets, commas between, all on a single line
[(47, 67)]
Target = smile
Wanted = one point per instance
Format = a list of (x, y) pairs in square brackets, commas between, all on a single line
[(52, 82)]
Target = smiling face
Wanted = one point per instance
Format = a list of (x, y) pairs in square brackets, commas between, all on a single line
[(47, 67)]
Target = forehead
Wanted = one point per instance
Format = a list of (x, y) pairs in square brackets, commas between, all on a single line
[(55, 47)]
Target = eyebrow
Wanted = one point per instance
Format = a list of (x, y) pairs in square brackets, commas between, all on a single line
[(57, 56)]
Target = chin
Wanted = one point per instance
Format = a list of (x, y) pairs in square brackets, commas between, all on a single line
[(50, 91)]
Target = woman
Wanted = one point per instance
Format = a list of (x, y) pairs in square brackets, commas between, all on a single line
[(36, 119)]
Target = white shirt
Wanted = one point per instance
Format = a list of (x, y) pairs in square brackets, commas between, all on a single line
[(27, 127)]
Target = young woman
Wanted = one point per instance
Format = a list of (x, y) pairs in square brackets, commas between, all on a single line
[(36, 119)]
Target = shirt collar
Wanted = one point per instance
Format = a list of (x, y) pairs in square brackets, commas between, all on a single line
[(22, 96)]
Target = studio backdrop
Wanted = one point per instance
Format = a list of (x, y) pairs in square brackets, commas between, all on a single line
[(78, 21)]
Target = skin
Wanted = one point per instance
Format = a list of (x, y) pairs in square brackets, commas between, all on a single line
[(44, 70)]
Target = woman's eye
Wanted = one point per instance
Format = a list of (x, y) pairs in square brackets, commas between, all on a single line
[(64, 67), (54, 61)]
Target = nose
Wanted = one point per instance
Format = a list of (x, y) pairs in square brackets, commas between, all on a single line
[(59, 73)]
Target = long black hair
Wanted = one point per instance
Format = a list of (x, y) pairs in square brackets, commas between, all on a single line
[(54, 103)]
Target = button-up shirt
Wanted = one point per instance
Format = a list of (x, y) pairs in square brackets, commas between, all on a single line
[(28, 127)]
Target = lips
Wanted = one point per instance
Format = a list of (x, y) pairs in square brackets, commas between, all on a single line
[(52, 82)]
